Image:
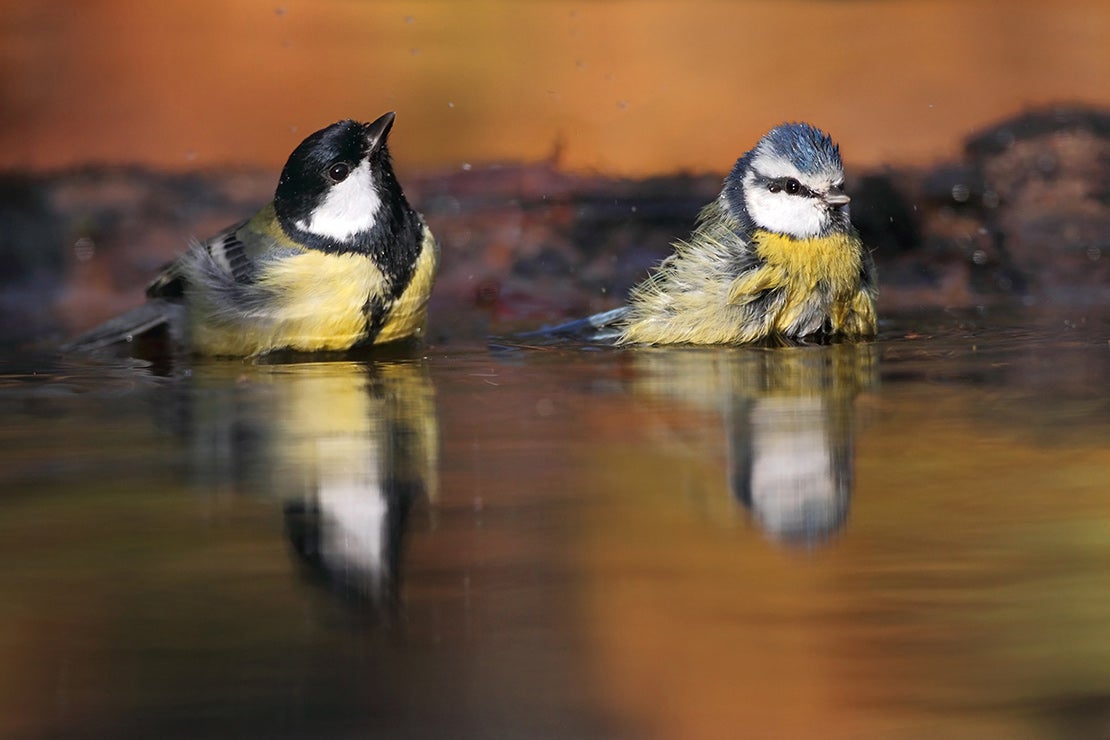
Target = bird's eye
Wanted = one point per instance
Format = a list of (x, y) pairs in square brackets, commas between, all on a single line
[(338, 172), (789, 184)]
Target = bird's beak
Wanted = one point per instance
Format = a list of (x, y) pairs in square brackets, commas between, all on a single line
[(836, 197), (377, 131)]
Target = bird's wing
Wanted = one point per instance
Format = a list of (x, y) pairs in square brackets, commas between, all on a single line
[(229, 253), (228, 250)]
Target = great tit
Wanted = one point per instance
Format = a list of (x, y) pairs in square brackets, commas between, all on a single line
[(773, 258), (338, 259)]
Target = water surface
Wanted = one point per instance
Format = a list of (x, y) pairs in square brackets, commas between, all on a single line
[(905, 538)]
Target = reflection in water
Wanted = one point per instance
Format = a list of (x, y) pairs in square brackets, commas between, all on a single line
[(788, 419), (793, 466), (349, 447), (588, 574)]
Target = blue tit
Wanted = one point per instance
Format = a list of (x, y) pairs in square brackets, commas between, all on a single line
[(774, 257), (338, 259)]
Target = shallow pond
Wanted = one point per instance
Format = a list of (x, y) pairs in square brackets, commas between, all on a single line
[(904, 538)]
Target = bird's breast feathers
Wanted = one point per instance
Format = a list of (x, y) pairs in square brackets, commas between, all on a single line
[(306, 300), (818, 279), (311, 301), (805, 265), (790, 288), (407, 314), (321, 298)]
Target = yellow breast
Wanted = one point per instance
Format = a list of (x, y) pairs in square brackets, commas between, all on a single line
[(407, 314), (319, 304), (834, 260), (820, 278)]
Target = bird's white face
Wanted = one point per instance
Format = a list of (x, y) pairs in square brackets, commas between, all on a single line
[(783, 199), (349, 207)]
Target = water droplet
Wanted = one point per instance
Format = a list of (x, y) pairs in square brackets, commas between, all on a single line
[(84, 249)]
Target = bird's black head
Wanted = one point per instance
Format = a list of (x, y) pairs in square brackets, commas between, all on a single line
[(338, 192)]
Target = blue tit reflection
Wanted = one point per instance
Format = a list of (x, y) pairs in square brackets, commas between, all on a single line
[(788, 419), (790, 464)]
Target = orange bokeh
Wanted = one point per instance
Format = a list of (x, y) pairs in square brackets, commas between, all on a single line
[(616, 87)]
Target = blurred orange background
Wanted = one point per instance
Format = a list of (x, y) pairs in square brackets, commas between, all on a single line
[(625, 88)]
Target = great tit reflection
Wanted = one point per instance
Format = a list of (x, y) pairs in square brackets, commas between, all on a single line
[(788, 414), (348, 447)]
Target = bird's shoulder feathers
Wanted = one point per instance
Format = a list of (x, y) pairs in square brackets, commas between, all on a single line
[(237, 251)]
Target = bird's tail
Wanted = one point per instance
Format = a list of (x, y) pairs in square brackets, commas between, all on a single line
[(127, 327), (601, 328)]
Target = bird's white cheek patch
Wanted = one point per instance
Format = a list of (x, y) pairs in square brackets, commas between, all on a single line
[(349, 207), (795, 215)]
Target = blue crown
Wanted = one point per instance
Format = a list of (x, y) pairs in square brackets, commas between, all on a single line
[(810, 149)]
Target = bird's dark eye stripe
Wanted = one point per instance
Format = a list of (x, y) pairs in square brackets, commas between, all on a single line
[(790, 185)]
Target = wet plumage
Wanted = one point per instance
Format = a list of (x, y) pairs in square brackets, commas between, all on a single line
[(773, 257), (338, 259)]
